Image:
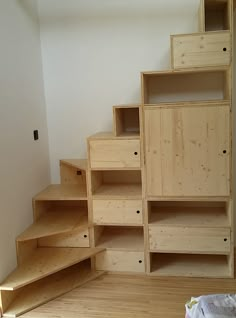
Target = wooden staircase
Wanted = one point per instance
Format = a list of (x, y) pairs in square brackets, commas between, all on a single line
[(54, 253)]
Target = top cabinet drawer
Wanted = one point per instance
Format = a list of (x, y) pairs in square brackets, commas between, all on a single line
[(114, 153), (200, 50)]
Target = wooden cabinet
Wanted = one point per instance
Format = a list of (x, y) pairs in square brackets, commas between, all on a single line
[(187, 150), (201, 49), (189, 239), (121, 261), (117, 212), (114, 153)]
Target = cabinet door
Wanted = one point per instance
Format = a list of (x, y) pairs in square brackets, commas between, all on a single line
[(187, 151)]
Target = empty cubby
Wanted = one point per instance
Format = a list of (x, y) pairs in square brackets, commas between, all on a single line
[(185, 86), (126, 120), (189, 213), (217, 15), (116, 184)]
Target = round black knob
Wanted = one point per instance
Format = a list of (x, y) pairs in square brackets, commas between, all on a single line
[(224, 49), (85, 235), (224, 151), (135, 153), (138, 212), (140, 261), (225, 239)]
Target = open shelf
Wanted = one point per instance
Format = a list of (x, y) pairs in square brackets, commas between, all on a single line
[(62, 192), (116, 184), (190, 265), (217, 15), (46, 289), (119, 238), (57, 220), (126, 120), (190, 214), (44, 262), (185, 86), (73, 171)]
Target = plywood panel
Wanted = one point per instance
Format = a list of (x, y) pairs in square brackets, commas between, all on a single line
[(190, 153), (201, 49)]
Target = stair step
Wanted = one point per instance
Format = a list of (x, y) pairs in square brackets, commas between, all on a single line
[(62, 192), (49, 288), (81, 164), (57, 220), (44, 262)]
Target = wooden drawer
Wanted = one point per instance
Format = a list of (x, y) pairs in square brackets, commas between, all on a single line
[(188, 239), (201, 49), (120, 261), (72, 239), (114, 153), (128, 212)]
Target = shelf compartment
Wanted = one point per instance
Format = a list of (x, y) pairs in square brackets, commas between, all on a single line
[(57, 220), (117, 212), (111, 153), (199, 240), (126, 120), (185, 86), (122, 238), (217, 15), (44, 262), (73, 171), (16, 303), (56, 192), (200, 49), (190, 214), (121, 261), (118, 184), (187, 265)]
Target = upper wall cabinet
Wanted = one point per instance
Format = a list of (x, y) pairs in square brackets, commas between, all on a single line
[(215, 15), (201, 49), (187, 150)]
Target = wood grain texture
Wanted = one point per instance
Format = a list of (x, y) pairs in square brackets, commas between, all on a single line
[(62, 192), (188, 151), (201, 49), (133, 296)]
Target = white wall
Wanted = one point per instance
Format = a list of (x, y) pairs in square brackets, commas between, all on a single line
[(93, 52), (24, 163)]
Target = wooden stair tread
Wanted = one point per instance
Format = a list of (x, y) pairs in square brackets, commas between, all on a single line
[(50, 287), (81, 164), (56, 221), (119, 191), (62, 192), (44, 262), (110, 135)]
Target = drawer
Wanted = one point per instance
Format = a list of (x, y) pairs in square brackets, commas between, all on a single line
[(120, 261), (187, 239), (72, 239), (201, 49), (128, 212), (114, 153)]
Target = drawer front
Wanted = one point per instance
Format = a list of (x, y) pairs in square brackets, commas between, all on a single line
[(201, 50), (72, 239), (117, 212), (120, 261), (114, 153), (183, 239)]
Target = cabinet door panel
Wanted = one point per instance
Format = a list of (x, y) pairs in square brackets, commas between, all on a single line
[(187, 151)]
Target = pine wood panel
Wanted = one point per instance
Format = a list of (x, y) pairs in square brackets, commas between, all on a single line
[(114, 154), (56, 221), (44, 262), (201, 49), (189, 240), (126, 212), (121, 261), (188, 151), (62, 192)]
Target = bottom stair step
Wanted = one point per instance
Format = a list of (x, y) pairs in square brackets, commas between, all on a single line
[(28, 297)]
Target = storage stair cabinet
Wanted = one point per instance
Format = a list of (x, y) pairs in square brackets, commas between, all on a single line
[(154, 196)]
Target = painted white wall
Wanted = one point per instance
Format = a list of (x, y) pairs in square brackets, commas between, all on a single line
[(24, 163), (93, 52)]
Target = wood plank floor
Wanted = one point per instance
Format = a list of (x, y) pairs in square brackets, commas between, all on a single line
[(120, 296)]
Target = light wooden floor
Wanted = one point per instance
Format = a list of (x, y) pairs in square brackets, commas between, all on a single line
[(119, 296)]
